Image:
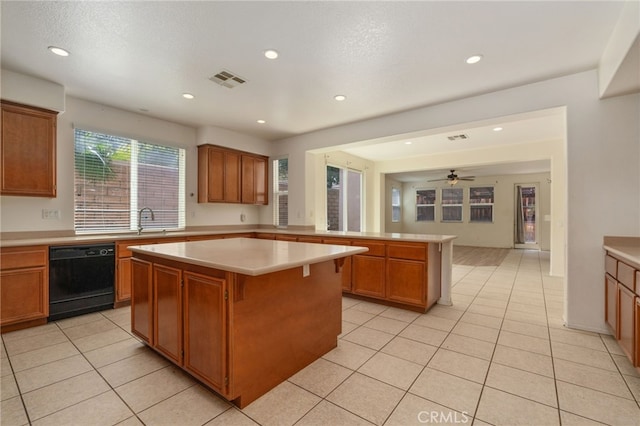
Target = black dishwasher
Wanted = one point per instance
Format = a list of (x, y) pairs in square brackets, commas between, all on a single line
[(81, 279)]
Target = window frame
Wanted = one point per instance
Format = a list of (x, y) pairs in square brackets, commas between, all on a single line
[(277, 193), (426, 205), (484, 204), (130, 147), (457, 206), (397, 206)]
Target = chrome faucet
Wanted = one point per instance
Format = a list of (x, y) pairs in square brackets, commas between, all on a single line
[(140, 218)]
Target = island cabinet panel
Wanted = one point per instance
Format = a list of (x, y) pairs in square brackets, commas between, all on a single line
[(167, 310), (205, 328), (28, 151), (626, 325), (142, 300), (611, 304), (24, 286), (637, 332)]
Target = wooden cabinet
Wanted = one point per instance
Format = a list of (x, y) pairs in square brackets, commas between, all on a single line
[(142, 300), (369, 269), (626, 321), (205, 328), (611, 304), (123, 265), (622, 305), (183, 315), (167, 311), (230, 176), (28, 151), (254, 180), (24, 286)]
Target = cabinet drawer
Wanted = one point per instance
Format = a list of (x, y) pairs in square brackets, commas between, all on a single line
[(611, 266), (264, 236), (336, 241), (375, 248), (23, 257), (407, 251), (626, 275), (305, 239)]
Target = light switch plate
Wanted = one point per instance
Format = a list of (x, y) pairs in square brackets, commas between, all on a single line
[(51, 214)]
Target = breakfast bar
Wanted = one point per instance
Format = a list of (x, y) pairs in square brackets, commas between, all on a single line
[(241, 315)]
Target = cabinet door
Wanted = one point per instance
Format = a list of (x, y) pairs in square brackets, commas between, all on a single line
[(368, 276), (261, 180), (637, 322), (231, 177), (248, 180), (123, 280), (205, 318), (28, 151), (24, 295), (611, 304), (167, 309), (215, 175), (142, 299), (406, 281), (626, 323)]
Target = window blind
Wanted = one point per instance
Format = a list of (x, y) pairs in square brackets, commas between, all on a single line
[(117, 176)]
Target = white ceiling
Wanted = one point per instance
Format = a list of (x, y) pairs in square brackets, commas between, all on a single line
[(384, 56)]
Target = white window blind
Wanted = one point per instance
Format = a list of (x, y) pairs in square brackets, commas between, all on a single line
[(117, 176), (281, 191)]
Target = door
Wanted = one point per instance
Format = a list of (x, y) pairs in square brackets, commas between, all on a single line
[(344, 199), (526, 216)]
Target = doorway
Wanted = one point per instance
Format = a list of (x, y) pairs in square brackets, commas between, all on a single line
[(526, 216)]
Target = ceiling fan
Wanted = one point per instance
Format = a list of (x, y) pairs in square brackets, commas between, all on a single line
[(453, 178)]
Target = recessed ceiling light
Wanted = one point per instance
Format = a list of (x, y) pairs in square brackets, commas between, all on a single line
[(408, 143), (58, 51), (497, 129), (339, 97), (261, 121), (474, 59), (188, 96), (271, 54)]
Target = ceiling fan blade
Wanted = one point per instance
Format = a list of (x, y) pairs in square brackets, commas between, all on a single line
[(437, 180), (467, 178)]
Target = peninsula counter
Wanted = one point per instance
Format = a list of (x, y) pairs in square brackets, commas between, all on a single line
[(241, 315)]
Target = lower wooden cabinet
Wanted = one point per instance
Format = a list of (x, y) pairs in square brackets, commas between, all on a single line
[(637, 339), (368, 276), (183, 315), (626, 323), (611, 304), (401, 278), (167, 311), (205, 328), (24, 285), (142, 300)]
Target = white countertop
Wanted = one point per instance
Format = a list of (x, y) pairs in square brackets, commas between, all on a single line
[(248, 256), (43, 239), (626, 249)]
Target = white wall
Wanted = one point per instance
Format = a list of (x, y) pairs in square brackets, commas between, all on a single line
[(25, 213), (602, 169), (499, 233)]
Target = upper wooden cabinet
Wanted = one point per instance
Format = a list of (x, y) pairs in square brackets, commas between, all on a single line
[(230, 176), (28, 151)]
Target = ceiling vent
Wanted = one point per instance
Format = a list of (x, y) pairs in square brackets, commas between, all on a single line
[(227, 79), (458, 137)]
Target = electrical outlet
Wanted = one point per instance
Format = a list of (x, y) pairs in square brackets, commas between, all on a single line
[(51, 214), (243, 217)]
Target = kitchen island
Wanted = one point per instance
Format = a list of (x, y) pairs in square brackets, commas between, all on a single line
[(241, 315)]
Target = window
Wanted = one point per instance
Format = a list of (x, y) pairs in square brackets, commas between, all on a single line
[(481, 204), (395, 205), (344, 205), (425, 205), (452, 204), (281, 191), (116, 176)]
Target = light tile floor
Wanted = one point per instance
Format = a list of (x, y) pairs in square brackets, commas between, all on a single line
[(500, 355)]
